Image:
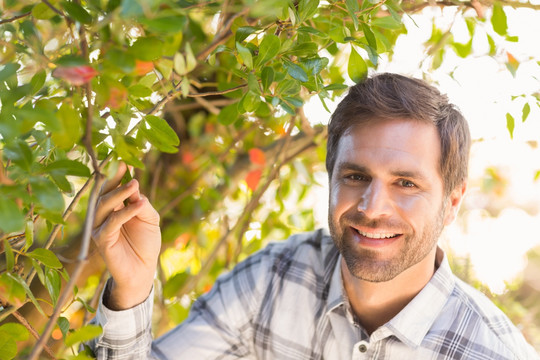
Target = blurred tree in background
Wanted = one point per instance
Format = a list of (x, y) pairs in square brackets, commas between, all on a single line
[(205, 100)]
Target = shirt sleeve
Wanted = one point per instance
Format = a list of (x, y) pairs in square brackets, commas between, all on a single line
[(126, 333)]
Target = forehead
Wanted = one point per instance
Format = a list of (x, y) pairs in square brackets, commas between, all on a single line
[(396, 143)]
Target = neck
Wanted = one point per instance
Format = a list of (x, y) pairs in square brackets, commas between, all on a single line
[(376, 303)]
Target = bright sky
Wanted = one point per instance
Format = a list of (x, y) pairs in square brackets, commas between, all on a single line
[(482, 88)]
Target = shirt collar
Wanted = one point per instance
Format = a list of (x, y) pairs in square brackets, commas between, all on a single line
[(412, 323)]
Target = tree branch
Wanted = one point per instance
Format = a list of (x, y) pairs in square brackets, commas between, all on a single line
[(51, 6), (81, 260), (4, 21), (211, 93), (32, 331)]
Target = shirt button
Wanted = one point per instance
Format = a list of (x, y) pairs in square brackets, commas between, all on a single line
[(362, 347)]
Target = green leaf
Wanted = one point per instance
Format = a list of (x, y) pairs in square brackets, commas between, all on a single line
[(267, 77), (353, 8), (269, 48), (53, 284), (8, 347), (166, 24), (11, 217), (288, 109), (295, 71), (307, 8), (253, 84), (370, 36), (498, 19), (228, 115), (147, 48), (11, 290), (28, 234), (139, 90), (121, 60), (243, 32), (174, 284), (492, 46), (245, 55), (160, 134), (39, 271), (336, 87), (16, 331), (63, 325), (20, 281), (386, 22), (463, 50), (525, 112), (510, 124), (42, 12), (179, 64), (38, 80), (46, 257), (191, 61), (357, 67), (85, 333), (20, 154), (8, 71), (10, 258), (77, 12), (68, 167), (46, 194), (70, 127)]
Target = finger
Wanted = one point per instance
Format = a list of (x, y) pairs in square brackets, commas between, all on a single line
[(114, 200), (114, 222), (148, 213), (113, 182)]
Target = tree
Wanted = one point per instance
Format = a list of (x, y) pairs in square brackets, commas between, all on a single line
[(205, 100)]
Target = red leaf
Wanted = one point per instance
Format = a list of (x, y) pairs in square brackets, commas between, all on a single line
[(75, 75), (257, 156), (252, 179), (143, 67), (187, 157), (117, 97)]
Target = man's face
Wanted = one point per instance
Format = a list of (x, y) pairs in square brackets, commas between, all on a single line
[(387, 207)]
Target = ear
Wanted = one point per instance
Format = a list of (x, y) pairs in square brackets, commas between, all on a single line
[(454, 202)]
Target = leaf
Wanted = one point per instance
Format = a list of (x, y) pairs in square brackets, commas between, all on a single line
[(8, 347), (335, 87), (357, 67), (11, 217), (245, 55), (353, 8), (269, 48), (63, 325), (77, 12), (46, 257), (28, 234), (160, 134), (70, 127), (253, 84), (68, 167), (10, 258), (85, 333), (191, 62), (16, 331), (11, 290), (498, 19), (20, 281), (463, 50), (75, 75), (307, 8), (38, 80), (174, 284), (386, 22), (228, 115), (526, 111), (42, 12), (256, 156), (147, 48), (179, 64), (510, 124), (53, 284), (47, 195), (370, 36), (253, 178), (121, 60), (267, 77), (492, 46), (243, 32), (165, 24), (8, 71), (139, 90), (295, 71)]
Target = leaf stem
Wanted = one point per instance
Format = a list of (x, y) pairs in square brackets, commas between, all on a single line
[(4, 21)]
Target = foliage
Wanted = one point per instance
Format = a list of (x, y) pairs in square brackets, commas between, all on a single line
[(205, 100)]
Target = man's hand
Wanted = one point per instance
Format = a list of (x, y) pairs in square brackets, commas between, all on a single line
[(127, 234)]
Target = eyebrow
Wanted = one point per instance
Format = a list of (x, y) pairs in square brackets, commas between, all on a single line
[(410, 174)]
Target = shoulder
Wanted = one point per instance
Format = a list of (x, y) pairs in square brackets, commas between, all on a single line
[(485, 324)]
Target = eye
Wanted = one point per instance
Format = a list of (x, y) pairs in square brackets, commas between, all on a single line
[(406, 183), (356, 177)]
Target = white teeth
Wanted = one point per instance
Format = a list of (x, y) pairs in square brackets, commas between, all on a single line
[(376, 236)]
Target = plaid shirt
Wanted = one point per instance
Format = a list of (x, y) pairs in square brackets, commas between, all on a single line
[(287, 302)]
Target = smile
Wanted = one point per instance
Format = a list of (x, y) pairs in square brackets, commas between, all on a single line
[(376, 235)]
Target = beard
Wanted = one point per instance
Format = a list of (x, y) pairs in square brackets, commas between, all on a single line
[(368, 264)]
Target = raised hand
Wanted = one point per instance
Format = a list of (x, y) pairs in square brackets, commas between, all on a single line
[(127, 234)]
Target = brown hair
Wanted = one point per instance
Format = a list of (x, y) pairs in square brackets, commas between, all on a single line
[(396, 96)]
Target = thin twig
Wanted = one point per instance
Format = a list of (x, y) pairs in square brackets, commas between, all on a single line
[(195, 105), (4, 21), (81, 260), (210, 93), (32, 331)]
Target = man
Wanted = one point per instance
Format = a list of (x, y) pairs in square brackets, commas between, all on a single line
[(378, 287)]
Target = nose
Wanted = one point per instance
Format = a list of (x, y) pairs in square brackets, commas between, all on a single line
[(375, 201)]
